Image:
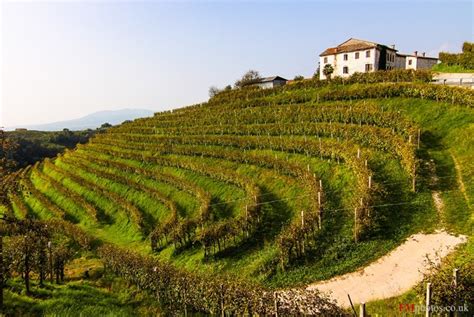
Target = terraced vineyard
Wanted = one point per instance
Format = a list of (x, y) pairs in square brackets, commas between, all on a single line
[(276, 188)]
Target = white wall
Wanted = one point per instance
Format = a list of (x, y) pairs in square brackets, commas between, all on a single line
[(358, 65), (268, 84), (355, 65), (413, 62)]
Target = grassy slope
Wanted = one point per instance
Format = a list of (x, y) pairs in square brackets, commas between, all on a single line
[(446, 134), (451, 69), (447, 137), (98, 295)]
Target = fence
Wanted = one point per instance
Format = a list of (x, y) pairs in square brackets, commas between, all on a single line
[(467, 82), (456, 308)]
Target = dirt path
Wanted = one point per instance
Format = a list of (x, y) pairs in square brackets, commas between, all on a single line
[(394, 273)]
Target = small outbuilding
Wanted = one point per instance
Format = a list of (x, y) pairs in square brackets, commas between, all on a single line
[(271, 82)]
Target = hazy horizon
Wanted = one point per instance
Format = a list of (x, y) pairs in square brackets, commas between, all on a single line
[(64, 60)]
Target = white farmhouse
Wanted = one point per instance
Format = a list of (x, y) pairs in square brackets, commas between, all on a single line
[(363, 56)]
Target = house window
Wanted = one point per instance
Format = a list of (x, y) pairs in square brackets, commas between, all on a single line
[(346, 57), (325, 60), (367, 53), (345, 70), (357, 55), (409, 62), (368, 67)]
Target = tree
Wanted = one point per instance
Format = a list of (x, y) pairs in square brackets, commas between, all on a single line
[(250, 77), (328, 70), (298, 78), (316, 73), (213, 90), (105, 125)]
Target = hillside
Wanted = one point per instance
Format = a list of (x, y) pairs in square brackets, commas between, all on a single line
[(90, 121), (271, 188), (33, 146)]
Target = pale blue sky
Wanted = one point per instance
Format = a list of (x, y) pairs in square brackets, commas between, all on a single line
[(62, 60)]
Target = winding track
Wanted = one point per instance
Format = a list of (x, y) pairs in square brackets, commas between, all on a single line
[(394, 273)]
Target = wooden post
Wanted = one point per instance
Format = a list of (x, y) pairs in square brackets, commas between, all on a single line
[(50, 262), (455, 284), (320, 184), (428, 299), (370, 181), (365, 163), (319, 211), (275, 303), (409, 139), (302, 219), (455, 277), (355, 225), (358, 153), (362, 310)]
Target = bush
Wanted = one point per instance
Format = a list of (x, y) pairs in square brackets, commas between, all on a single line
[(249, 78), (464, 59)]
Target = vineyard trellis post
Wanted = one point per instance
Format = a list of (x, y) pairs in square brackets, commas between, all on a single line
[(50, 262), (362, 311), (275, 303), (319, 210), (428, 299), (455, 285), (355, 225)]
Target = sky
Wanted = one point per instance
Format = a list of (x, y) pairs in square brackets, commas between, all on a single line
[(61, 60)]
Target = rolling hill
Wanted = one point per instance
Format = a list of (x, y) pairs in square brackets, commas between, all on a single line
[(90, 121), (266, 189)]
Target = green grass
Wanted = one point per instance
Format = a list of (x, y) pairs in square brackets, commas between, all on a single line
[(106, 296), (446, 142), (442, 68)]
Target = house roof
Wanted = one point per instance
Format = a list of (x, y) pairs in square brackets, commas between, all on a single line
[(352, 45), (417, 56), (268, 79)]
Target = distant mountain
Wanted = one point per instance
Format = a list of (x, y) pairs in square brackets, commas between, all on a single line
[(91, 121)]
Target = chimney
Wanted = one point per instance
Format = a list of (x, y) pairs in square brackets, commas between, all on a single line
[(416, 53), (423, 54), (393, 46)]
